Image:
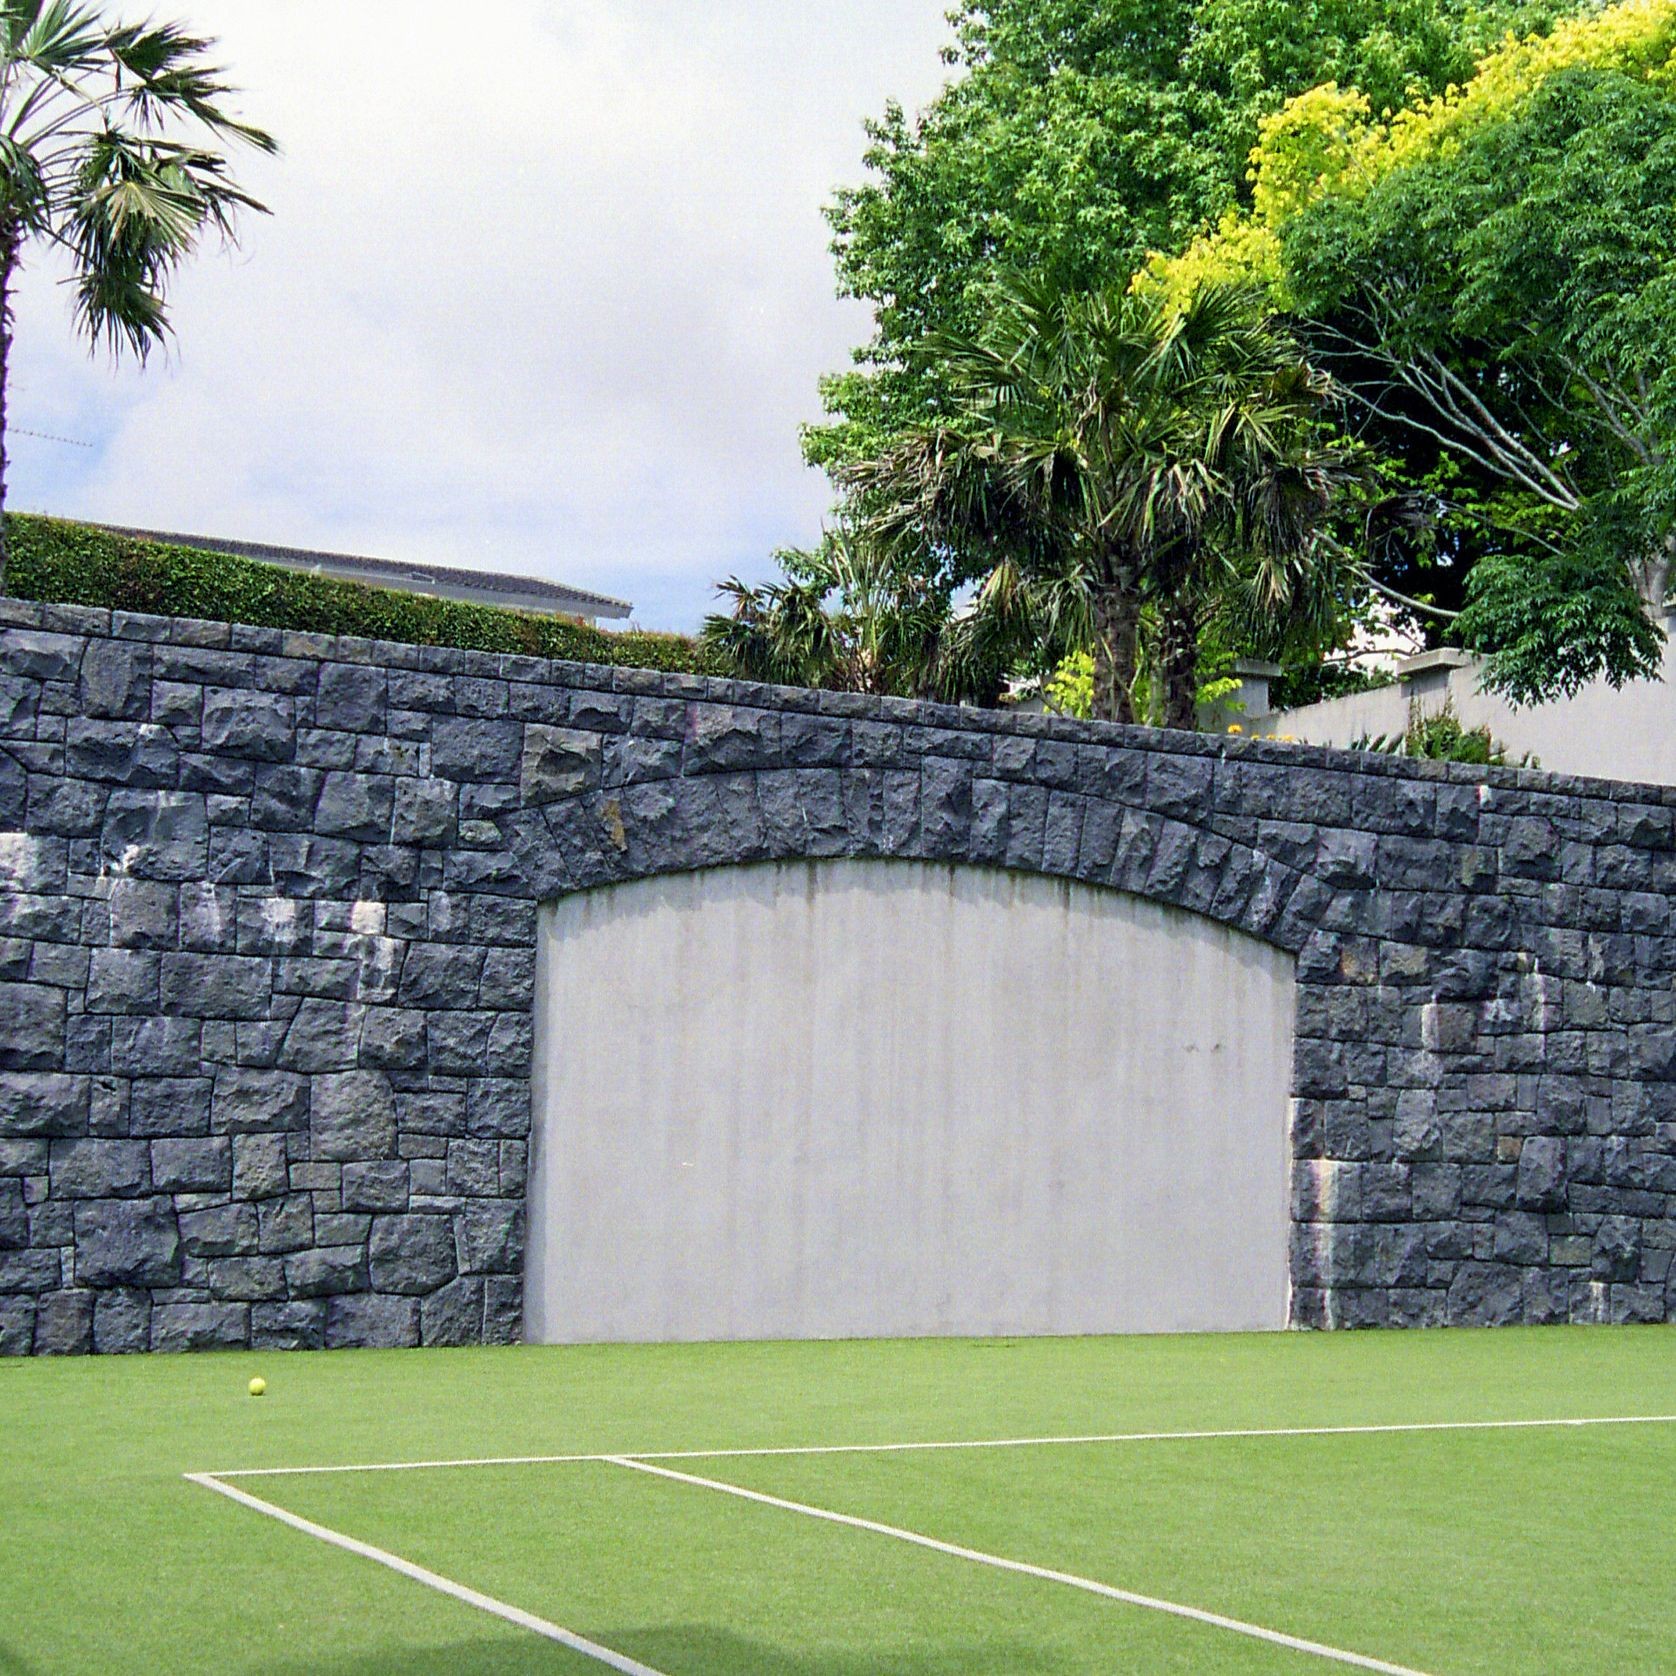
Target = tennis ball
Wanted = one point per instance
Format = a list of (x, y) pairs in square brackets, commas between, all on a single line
[(258, 1387)]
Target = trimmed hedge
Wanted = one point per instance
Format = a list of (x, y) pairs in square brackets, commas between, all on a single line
[(62, 563)]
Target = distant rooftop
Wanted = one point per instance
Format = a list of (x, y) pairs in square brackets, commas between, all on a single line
[(478, 587)]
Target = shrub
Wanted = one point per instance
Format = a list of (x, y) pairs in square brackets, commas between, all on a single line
[(62, 563)]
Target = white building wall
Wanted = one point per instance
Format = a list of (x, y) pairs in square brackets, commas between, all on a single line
[(858, 1098), (1628, 733)]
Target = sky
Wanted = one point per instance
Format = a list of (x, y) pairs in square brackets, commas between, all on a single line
[(545, 289)]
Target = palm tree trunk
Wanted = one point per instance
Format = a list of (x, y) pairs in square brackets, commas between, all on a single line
[(11, 239), (1117, 617), (1179, 658)]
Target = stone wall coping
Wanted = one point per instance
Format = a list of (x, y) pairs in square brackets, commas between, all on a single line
[(623, 679)]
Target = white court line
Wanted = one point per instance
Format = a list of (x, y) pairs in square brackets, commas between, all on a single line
[(976, 1443), (431, 1580), (1174, 1609)]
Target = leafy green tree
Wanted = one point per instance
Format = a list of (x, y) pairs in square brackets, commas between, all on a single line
[(850, 616), (1504, 318), (1078, 136), (1110, 451), (109, 150), (1491, 276)]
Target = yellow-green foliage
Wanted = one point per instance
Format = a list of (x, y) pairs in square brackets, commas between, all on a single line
[(1328, 140)]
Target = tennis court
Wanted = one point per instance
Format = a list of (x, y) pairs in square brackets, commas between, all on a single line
[(1441, 1503)]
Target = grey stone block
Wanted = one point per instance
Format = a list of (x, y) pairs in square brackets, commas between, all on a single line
[(490, 1237), (192, 1166), (143, 913), (352, 697), (352, 1116), (17, 1326), (216, 985), (14, 1217), (64, 1323), (220, 1230), (470, 749), (258, 726), (160, 1106), (247, 1279), (260, 1101), (43, 1105), (285, 1225), (121, 1322), (100, 1169), (208, 1326), (369, 1321), (413, 1255), (156, 834), (288, 1326), (34, 1034), (127, 1242), (116, 680), (381, 1185), (356, 806), (498, 1107), (326, 1271), (453, 1315), (324, 1036), (259, 1166), (558, 762)]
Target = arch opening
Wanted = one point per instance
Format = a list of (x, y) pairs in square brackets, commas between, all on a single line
[(828, 1099)]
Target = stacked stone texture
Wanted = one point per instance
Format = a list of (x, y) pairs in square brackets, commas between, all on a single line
[(268, 914)]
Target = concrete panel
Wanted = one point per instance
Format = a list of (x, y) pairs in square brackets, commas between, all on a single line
[(855, 1098)]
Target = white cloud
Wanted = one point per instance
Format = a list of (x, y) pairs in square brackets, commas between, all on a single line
[(546, 287)]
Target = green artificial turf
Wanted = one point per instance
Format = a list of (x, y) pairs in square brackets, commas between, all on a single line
[(1535, 1551)]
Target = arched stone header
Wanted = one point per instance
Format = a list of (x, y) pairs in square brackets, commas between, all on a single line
[(267, 931)]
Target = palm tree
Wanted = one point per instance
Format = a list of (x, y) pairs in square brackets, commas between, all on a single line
[(850, 616), (1117, 451), (92, 161)]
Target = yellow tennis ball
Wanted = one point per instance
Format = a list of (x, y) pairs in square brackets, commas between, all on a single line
[(258, 1387)]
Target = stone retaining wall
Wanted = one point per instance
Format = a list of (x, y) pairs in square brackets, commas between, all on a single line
[(267, 933)]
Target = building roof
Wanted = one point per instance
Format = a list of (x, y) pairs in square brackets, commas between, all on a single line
[(480, 587)]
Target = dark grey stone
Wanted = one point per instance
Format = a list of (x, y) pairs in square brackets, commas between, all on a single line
[(352, 697), (491, 1237), (368, 1320), (469, 749), (220, 1230), (100, 1169), (288, 1326), (258, 1101), (213, 1326), (259, 1166), (453, 1314), (121, 1322), (216, 985), (43, 1105), (558, 762), (259, 726), (326, 1271), (192, 1166), (413, 1255), (127, 1242), (356, 806), (267, 932), (17, 1326), (352, 1116), (376, 1186), (33, 1037), (14, 1217), (169, 1106), (64, 1323)]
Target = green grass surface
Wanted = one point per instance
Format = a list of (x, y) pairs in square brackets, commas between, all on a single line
[(1529, 1551)]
